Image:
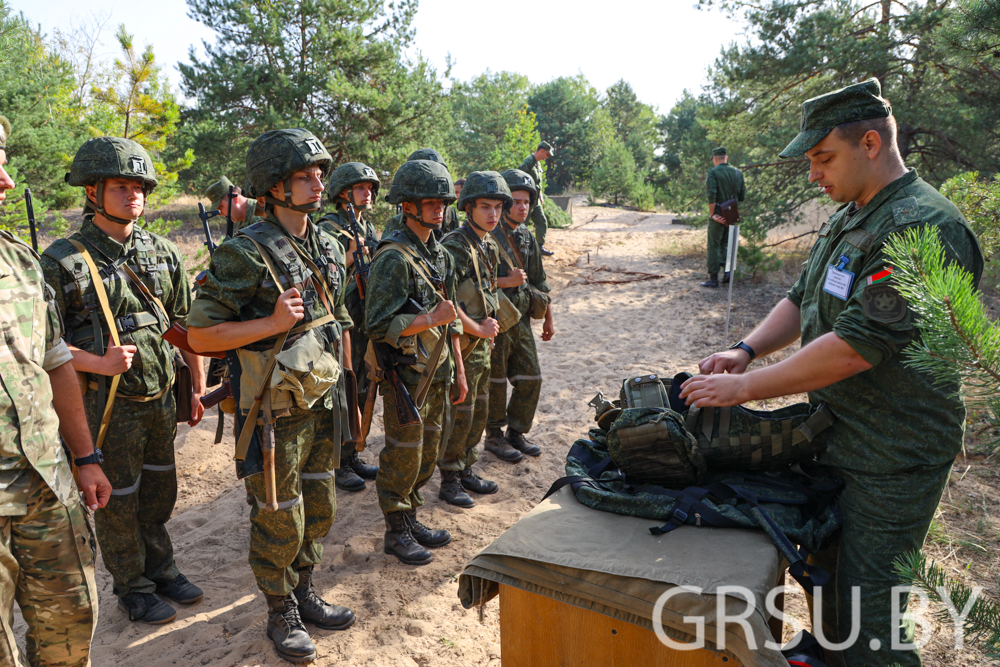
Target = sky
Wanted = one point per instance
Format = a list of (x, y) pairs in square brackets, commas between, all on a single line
[(661, 47)]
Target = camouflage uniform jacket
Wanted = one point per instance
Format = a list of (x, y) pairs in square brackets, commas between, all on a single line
[(528, 246), (393, 283), (338, 225), (532, 167), (239, 287), (31, 345), (152, 366), (725, 182), (892, 417), (450, 223), (460, 244)]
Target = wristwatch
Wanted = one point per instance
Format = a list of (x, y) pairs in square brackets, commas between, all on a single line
[(97, 457), (746, 348)]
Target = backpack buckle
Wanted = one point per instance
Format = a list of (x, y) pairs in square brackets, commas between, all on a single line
[(679, 517), (126, 323)]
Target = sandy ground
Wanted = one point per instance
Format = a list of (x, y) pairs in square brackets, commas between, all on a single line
[(411, 615)]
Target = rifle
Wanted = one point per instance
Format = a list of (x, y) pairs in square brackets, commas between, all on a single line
[(229, 213), (31, 218), (407, 413)]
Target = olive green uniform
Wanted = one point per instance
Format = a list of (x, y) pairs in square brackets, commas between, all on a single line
[(407, 461), (139, 445), (897, 430), (471, 414), (533, 168), (46, 549), (307, 442), (514, 356), (723, 182)]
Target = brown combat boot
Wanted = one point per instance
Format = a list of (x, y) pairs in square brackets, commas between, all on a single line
[(497, 445)]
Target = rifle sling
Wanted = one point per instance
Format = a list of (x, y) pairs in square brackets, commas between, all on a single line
[(102, 298), (513, 246)]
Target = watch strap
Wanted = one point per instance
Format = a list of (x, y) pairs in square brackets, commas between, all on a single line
[(746, 348)]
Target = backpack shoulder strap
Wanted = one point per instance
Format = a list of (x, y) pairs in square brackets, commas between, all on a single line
[(411, 257)]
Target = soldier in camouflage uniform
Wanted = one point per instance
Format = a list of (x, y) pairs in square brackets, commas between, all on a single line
[(485, 198), (127, 378), (46, 548), (356, 184), (723, 182), (514, 357), (244, 210), (897, 431), (532, 166), (450, 223), (286, 275), (410, 304)]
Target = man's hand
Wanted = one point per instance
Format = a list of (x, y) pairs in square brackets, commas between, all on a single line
[(443, 313), (288, 310), (197, 409), (460, 390), (94, 485), (117, 359), (716, 390), (488, 328), (730, 361), (513, 279), (718, 218), (548, 326)]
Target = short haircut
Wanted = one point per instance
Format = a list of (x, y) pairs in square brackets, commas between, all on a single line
[(886, 128)]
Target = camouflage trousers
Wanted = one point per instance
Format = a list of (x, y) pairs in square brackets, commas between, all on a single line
[(139, 463), (47, 565), (885, 516), (288, 540), (460, 452), (514, 358), (718, 245), (407, 461), (537, 218)]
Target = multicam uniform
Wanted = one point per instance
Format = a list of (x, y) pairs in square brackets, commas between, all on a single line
[(139, 445), (46, 548)]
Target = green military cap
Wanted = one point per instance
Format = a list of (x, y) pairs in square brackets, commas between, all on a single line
[(218, 191), (547, 146), (861, 101), (720, 151), (4, 132)]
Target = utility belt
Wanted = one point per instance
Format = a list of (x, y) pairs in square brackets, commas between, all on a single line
[(124, 324), (136, 399)]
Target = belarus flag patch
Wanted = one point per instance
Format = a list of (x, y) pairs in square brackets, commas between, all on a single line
[(880, 276)]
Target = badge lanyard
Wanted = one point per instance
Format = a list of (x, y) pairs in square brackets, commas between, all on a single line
[(838, 279)]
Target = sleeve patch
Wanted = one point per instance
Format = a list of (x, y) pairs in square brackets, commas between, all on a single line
[(883, 303), (906, 211)]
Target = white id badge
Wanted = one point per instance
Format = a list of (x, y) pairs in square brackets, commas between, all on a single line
[(838, 282)]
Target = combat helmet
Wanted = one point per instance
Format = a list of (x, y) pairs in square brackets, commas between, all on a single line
[(347, 176), (274, 156), (484, 185), (426, 154), (110, 157), (519, 180), (416, 180)]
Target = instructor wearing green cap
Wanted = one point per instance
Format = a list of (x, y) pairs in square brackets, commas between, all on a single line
[(897, 431)]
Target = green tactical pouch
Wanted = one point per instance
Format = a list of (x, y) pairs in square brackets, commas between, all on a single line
[(539, 303), (652, 446), (307, 369), (644, 391)]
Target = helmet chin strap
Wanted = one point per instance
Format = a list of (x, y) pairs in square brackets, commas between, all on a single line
[(421, 222), (98, 207), (287, 203), (508, 219), (472, 221)]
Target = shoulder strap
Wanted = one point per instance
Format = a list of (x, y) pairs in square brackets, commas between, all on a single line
[(411, 258), (102, 297), (513, 246), (475, 265)]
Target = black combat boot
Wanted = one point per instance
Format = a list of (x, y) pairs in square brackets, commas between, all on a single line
[(545, 251), (713, 280), (477, 484), (285, 629), (497, 445), (313, 609), (427, 537), (180, 590), (725, 278), (146, 608), (345, 478), (522, 444), (399, 541), (360, 468), (452, 492)]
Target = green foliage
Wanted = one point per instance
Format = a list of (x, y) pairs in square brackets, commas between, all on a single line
[(979, 201), (615, 174), (556, 217), (982, 624), (642, 195), (520, 140), (634, 123), (161, 226), (570, 116), (485, 111), (959, 344)]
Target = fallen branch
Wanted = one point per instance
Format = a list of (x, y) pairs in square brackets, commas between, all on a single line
[(641, 275)]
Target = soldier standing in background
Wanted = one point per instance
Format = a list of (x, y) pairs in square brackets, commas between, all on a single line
[(514, 356), (723, 182), (244, 210), (409, 306), (356, 184), (113, 273), (532, 166), (46, 548), (484, 200)]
